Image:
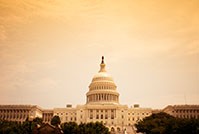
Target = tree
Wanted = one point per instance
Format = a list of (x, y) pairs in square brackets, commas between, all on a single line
[(95, 128), (55, 121), (38, 120), (70, 128), (154, 124), (11, 127), (163, 123)]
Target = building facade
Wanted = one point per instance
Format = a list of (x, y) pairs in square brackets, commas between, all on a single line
[(183, 111), (19, 113), (102, 105), (47, 115)]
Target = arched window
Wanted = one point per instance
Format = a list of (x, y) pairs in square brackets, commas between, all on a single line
[(112, 129), (118, 129)]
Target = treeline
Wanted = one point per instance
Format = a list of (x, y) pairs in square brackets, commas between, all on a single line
[(11, 127), (84, 128), (30, 127), (163, 123)]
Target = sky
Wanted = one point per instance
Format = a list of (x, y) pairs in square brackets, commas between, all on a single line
[(51, 49)]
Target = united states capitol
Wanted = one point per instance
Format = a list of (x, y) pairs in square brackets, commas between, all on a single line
[(102, 105)]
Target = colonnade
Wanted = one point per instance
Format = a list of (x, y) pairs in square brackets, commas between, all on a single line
[(102, 97), (101, 113), (112, 87), (47, 116), (14, 114)]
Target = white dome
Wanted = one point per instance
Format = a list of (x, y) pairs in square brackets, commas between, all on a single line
[(102, 76), (102, 88)]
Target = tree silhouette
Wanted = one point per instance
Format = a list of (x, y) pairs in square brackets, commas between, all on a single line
[(55, 121)]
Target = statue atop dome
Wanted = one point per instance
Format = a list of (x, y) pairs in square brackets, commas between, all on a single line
[(102, 60), (102, 65)]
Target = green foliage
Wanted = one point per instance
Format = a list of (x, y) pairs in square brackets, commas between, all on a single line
[(89, 128), (38, 120), (55, 121), (163, 123), (70, 128), (10, 127), (7, 127), (28, 127)]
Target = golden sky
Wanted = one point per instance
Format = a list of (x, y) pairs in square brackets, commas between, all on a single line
[(50, 50)]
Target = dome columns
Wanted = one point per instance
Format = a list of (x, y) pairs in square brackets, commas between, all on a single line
[(101, 97)]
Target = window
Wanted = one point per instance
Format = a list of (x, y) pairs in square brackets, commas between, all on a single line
[(91, 116), (112, 116), (102, 116), (106, 116), (97, 116)]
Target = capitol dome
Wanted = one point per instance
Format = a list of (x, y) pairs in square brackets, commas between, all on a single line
[(102, 89)]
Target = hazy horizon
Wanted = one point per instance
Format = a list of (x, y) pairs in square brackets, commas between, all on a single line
[(51, 49)]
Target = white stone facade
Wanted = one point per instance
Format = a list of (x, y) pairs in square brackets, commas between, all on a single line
[(102, 105), (19, 113), (183, 111)]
